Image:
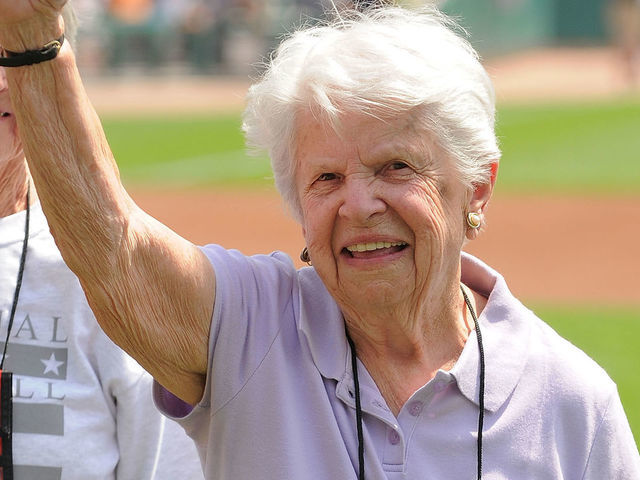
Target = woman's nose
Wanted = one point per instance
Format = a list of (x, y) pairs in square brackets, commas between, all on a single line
[(361, 202)]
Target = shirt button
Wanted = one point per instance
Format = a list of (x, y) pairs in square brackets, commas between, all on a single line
[(394, 438), (415, 409)]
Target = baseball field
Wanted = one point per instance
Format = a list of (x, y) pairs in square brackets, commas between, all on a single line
[(564, 222)]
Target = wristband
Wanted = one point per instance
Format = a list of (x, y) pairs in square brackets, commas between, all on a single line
[(31, 57)]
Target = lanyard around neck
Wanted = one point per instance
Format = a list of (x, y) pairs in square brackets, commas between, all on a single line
[(354, 366)]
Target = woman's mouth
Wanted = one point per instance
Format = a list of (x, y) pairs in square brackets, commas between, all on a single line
[(374, 249)]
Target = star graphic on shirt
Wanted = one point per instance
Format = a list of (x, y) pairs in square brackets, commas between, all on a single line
[(51, 365)]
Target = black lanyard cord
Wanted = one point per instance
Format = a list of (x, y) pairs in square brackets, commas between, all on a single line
[(356, 382), (23, 259), (354, 366), (481, 387)]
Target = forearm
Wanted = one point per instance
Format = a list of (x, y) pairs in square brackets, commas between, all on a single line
[(151, 290), (69, 158)]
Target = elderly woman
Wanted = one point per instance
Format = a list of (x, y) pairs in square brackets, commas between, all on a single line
[(74, 391), (395, 355)]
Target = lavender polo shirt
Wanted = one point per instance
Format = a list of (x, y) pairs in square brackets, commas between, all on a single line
[(279, 403)]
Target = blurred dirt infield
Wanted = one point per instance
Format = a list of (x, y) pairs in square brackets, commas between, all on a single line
[(550, 249)]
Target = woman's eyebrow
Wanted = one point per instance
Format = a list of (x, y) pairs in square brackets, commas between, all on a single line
[(400, 150)]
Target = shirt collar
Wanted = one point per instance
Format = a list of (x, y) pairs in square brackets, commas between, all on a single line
[(505, 336), (322, 325)]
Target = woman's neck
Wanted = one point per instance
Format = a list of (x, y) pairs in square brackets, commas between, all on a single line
[(403, 356), (14, 181)]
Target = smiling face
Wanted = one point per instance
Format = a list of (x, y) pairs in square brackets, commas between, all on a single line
[(383, 212), (10, 145)]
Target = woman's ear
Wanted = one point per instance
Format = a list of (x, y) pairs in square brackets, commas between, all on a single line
[(478, 203)]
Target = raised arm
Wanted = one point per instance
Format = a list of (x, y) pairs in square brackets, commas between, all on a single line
[(151, 290)]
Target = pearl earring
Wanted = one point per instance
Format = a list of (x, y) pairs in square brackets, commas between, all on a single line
[(474, 220)]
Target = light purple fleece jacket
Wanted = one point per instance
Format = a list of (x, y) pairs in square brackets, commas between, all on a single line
[(278, 400)]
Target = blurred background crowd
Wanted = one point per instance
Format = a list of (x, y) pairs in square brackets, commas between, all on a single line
[(232, 36), (198, 36)]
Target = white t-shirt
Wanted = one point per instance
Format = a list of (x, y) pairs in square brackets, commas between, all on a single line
[(82, 407)]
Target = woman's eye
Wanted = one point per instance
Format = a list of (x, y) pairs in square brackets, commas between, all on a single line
[(326, 177), (398, 165)]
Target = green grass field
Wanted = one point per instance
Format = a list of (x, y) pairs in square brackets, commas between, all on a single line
[(184, 151), (577, 148), (572, 148)]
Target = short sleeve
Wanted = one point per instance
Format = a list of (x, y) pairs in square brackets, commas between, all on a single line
[(614, 454), (254, 299)]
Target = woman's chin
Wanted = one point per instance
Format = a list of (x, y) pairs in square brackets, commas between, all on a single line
[(374, 293)]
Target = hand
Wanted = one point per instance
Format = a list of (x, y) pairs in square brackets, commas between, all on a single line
[(29, 24)]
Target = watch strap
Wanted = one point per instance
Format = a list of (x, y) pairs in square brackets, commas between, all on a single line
[(31, 57)]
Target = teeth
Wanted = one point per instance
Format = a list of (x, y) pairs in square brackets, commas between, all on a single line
[(369, 247)]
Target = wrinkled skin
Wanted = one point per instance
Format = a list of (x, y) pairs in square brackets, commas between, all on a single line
[(14, 175), (131, 267), (11, 147), (29, 24), (384, 221)]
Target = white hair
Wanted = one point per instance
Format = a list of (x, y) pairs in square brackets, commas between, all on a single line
[(385, 62)]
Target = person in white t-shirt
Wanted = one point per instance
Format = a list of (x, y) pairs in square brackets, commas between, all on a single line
[(82, 408)]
